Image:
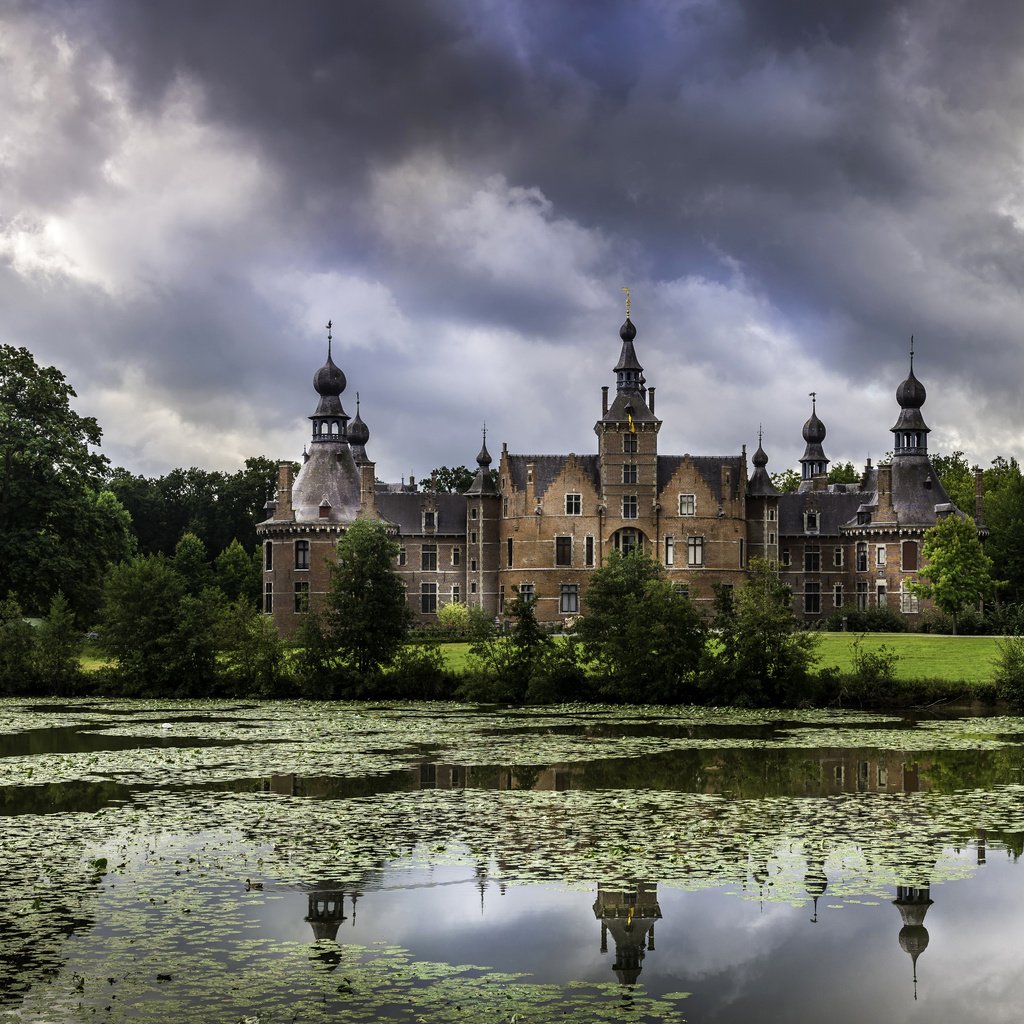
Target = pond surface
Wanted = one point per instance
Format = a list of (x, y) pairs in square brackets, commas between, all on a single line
[(245, 862)]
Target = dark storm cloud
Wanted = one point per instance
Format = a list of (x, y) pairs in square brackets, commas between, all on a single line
[(840, 175)]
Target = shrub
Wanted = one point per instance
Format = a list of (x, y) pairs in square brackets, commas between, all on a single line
[(1009, 674), (867, 620)]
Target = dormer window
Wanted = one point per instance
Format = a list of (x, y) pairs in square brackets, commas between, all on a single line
[(811, 522), (429, 520)]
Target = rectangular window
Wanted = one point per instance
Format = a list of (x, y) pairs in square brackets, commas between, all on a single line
[(771, 537), (456, 593), (629, 444), (837, 595), (589, 552), (527, 593), (811, 522), (472, 512), (301, 554), (862, 597), (812, 559), (812, 598), (428, 558), (909, 603), (574, 504), (837, 557), (694, 551), (629, 473), (670, 551), (472, 565), (909, 555), (772, 513), (880, 597), (743, 552), (456, 556), (268, 556), (785, 556), (428, 598), (563, 551), (883, 778), (862, 556), (569, 599), (268, 597), (629, 507), (508, 545), (504, 508), (863, 517), (687, 504), (682, 589), (301, 597), (501, 599), (428, 521), (472, 587), (880, 556), (401, 556)]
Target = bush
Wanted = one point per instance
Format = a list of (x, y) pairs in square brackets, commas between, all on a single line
[(1009, 674), (867, 620), (873, 668), (418, 672)]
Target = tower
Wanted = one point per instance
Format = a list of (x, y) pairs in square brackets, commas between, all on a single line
[(910, 431), (813, 462), (483, 534)]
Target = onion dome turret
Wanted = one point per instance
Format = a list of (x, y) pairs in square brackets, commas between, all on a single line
[(330, 421), (358, 435), (911, 431), (813, 462)]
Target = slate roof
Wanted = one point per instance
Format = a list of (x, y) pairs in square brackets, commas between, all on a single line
[(547, 467), (330, 473), (709, 467), (403, 510), (835, 508)]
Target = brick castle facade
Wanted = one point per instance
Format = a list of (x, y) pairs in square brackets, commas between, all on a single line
[(542, 523)]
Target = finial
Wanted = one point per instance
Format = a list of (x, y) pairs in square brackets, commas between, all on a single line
[(911, 353), (626, 290), (759, 434), (814, 400), (357, 403), (485, 433), (330, 324)]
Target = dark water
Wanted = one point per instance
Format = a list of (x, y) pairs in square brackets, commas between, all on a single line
[(576, 866)]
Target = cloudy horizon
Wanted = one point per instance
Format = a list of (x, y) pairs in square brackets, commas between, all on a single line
[(790, 190)]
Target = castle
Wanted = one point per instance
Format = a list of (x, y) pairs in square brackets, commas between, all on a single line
[(548, 521)]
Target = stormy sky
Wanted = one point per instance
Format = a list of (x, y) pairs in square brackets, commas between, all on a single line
[(190, 189)]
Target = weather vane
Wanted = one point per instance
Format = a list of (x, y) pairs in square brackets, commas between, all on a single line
[(911, 353), (814, 400), (626, 290), (330, 324)]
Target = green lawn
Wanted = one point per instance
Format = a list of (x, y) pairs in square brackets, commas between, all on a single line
[(921, 655)]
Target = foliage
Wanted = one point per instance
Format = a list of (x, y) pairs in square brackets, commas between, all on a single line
[(645, 640), (1004, 517), (367, 615), (448, 480), (453, 616), (56, 531), (217, 507), (957, 479), (418, 672), (252, 654), (161, 635), (762, 657), (787, 481), (843, 473), (191, 564), (17, 640), (873, 667), (880, 619), (58, 644), (1009, 670), (237, 573), (957, 572)]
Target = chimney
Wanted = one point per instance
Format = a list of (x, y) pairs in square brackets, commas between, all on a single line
[(604, 400), (885, 513), (650, 399), (979, 496), (367, 487), (284, 492)]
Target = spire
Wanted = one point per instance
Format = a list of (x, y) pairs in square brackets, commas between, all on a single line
[(483, 480), (330, 420), (910, 432), (813, 462), (358, 435), (760, 483)]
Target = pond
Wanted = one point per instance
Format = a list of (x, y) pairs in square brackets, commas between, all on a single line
[(266, 862)]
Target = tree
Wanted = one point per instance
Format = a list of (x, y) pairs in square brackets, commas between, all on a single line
[(51, 524), (762, 656), (1004, 517), (162, 636), (957, 572), (367, 615), (448, 480), (58, 644), (644, 639), (843, 473), (238, 573), (191, 564), (787, 481), (957, 479), (17, 647)]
